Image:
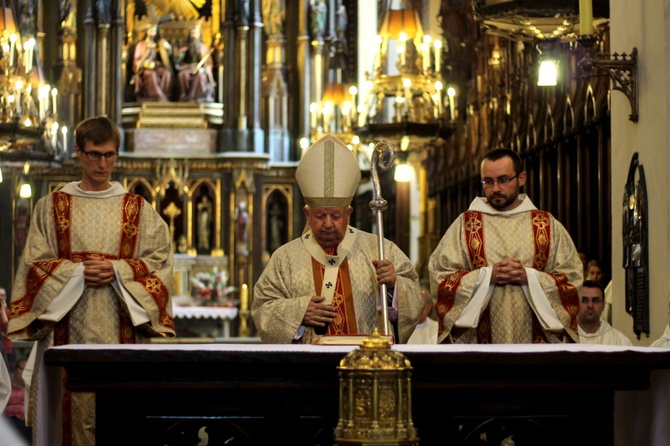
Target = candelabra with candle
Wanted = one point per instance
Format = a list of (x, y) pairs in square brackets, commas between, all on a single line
[(27, 116), (244, 331)]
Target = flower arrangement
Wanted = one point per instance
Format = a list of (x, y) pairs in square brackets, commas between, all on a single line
[(211, 288)]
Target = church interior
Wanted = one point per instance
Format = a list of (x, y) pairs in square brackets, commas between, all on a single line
[(442, 82), (215, 123)]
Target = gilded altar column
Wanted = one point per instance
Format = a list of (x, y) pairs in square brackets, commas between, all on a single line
[(256, 133), (304, 77), (243, 28), (275, 89), (318, 21), (67, 73)]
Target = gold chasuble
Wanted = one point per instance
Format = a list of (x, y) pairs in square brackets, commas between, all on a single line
[(471, 310), (52, 305)]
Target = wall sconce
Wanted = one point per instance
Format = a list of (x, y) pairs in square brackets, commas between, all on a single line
[(548, 74), (621, 68)]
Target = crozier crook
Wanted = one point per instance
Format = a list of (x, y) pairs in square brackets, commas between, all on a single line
[(383, 156)]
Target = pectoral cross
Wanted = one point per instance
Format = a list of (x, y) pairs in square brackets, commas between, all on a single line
[(171, 212)]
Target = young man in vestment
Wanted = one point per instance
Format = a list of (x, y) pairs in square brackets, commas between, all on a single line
[(96, 269), (505, 272), (328, 280)]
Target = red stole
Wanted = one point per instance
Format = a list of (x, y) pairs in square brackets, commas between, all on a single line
[(474, 237), (343, 301)]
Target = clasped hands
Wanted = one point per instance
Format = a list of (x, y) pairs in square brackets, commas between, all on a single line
[(319, 314), (509, 272), (98, 271)]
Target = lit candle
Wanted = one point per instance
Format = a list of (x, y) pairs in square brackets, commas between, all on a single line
[(438, 55), (18, 87), (64, 132), (54, 134), (585, 17), (40, 102), (244, 297), (425, 48), (54, 101), (29, 48), (12, 49), (451, 92)]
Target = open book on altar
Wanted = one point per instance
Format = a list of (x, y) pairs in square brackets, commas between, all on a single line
[(349, 339)]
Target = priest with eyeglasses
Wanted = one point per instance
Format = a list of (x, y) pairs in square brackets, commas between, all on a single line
[(505, 272), (96, 269)]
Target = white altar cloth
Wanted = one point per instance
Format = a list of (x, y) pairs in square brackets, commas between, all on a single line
[(226, 314)]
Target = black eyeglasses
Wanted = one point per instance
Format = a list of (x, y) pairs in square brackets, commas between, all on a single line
[(95, 156), (488, 182)]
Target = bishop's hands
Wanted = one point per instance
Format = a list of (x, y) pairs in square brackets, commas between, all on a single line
[(318, 314), (98, 271), (385, 273), (509, 272)]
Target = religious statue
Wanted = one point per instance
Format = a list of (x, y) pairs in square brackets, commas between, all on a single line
[(274, 13), (104, 11), (152, 67), (195, 80), (67, 14), (204, 222), (319, 11), (27, 18), (341, 22), (277, 227), (182, 244), (242, 220)]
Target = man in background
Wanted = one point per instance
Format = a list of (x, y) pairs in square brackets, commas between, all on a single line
[(592, 328)]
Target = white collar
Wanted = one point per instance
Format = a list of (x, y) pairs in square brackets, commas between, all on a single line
[(74, 188), (480, 204)]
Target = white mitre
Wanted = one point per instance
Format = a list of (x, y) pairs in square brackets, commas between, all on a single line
[(328, 173)]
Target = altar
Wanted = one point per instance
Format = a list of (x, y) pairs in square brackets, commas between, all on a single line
[(551, 395), (220, 318)]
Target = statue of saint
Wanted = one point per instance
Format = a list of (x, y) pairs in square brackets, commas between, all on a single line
[(194, 64), (242, 220), (152, 67), (277, 227), (319, 11), (274, 12), (204, 222)]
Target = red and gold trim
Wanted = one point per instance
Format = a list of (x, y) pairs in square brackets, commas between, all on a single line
[(37, 276), (474, 239), (542, 236), (62, 208), (343, 301)]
